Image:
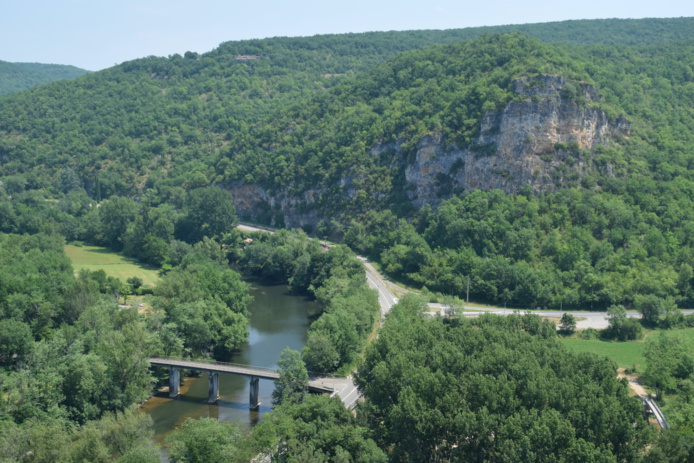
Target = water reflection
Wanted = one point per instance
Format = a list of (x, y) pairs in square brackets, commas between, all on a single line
[(278, 320)]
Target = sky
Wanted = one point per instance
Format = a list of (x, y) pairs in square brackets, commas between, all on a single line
[(97, 34)]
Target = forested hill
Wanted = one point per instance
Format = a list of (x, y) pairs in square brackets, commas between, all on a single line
[(15, 77), (545, 173), (181, 118)]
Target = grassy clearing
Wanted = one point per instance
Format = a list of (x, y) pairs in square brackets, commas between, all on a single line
[(626, 354), (97, 258)]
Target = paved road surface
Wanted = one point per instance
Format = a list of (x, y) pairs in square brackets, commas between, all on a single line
[(597, 320), (375, 281)]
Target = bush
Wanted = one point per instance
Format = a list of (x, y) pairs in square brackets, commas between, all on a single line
[(629, 329), (589, 334)]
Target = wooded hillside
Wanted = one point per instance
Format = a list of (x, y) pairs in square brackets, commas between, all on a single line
[(15, 77)]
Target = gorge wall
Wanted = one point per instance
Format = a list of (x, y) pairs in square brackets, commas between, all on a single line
[(542, 140)]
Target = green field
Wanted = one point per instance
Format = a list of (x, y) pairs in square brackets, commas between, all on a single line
[(625, 354), (114, 264)]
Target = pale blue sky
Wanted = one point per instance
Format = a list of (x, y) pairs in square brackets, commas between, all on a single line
[(96, 34)]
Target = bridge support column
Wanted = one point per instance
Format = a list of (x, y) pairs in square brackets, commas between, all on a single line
[(174, 382), (255, 393), (214, 386)]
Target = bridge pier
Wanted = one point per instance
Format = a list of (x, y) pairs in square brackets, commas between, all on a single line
[(174, 382), (214, 386), (255, 393)]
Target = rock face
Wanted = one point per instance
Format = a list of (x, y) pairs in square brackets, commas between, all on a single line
[(538, 142), (541, 141), (280, 209)]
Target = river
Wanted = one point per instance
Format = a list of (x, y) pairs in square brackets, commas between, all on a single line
[(278, 320)]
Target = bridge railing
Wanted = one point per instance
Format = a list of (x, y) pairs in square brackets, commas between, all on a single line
[(312, 374), (214, 362)]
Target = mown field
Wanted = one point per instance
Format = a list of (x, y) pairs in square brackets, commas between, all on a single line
[(626, 354), (114, 264)]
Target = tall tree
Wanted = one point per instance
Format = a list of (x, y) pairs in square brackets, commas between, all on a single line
[(209, 212), (292, 386), (116, 214)]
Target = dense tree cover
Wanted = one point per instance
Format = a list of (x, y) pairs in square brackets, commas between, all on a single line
[(335, 277), (672, 446), (15, 77), (72, 361), (670, 372), (153, 231), (620, 232), (574, 248), (209, 213), (319, 429), (146, 140), (204, 118), (35, 278), (205, 440), (493, 389), (670, 365), (126, 436)]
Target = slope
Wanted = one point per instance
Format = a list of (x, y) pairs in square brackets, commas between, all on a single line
[(15, 77)]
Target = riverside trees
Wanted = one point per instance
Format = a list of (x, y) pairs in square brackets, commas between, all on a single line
[(335, 277)]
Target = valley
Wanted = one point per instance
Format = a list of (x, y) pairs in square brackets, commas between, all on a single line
[(546, 169)]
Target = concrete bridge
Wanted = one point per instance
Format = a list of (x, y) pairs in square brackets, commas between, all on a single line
[(213, 369)]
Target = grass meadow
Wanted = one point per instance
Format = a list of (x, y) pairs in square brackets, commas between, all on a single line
[(625, 354), (114, 264)]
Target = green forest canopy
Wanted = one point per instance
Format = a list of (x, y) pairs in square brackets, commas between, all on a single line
[(15, 77)]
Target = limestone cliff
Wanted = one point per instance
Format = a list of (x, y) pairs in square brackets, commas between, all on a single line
[(539, 141), (542, 140)]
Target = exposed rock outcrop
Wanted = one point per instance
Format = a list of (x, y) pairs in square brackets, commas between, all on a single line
[(541, 140), (279, 209)]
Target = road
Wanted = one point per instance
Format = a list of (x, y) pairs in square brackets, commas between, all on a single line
[(597, 320), (375, 281)]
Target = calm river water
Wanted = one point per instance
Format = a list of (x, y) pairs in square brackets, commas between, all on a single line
[(278, 320)]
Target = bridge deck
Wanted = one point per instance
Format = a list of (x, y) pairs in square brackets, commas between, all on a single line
[(317, 385)]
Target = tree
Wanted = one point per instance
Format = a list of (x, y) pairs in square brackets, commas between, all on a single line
[(135, 282), (671, 446), (621, 327), (292, 386), (209, 212), (69, 180), (320, 429), (568, 323), (209, 326), (651, 308), (320, 353), (16, 340), (684, 279), (116, 214), (669, 359), (205, 440)]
